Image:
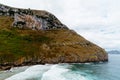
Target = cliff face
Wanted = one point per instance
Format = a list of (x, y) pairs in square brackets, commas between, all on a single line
[(38, 37), (31, 19)]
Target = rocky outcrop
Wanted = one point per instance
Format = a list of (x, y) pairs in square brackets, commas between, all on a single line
[(29, 22), (41, 38), (27, 18)]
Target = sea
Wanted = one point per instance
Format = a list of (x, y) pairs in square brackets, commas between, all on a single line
[(76, 71)]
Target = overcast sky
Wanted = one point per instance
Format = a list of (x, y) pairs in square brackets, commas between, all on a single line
[(96, 20)]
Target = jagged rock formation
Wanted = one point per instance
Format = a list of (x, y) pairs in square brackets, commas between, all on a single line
[(28, 21), (26, 18), (41, 38)]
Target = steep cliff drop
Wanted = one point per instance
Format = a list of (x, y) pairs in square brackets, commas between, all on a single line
[(30, 37)]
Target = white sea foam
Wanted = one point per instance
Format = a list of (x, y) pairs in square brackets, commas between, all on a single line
[(48, 72), (32, 73), (55, 73), (88, 63), (65, 71), (15, 69), (75, 76)]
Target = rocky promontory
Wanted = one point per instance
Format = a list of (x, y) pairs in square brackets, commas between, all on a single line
[(30, 37)]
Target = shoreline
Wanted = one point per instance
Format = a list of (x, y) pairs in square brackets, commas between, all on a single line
[(9, 66)]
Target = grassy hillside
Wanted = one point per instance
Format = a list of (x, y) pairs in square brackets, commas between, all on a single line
[(19, 47)]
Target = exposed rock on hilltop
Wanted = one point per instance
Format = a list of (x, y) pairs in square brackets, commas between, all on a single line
[(31, 19), (38, 37)]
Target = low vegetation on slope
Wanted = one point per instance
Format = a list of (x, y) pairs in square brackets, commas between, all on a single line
[(22, 47)]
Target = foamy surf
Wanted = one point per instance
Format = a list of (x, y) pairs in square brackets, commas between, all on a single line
[(32, 73), (48, 72), (67, 71), (55, 73)]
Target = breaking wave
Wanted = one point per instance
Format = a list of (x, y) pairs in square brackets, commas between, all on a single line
[(67, 71), (49, 72)]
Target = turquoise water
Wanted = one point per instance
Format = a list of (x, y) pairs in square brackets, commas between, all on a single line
[(88, 71)]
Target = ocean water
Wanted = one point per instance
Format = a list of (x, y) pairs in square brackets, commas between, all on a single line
[(88, 71)]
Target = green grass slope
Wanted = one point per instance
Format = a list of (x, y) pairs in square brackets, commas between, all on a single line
[(25, 47)]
